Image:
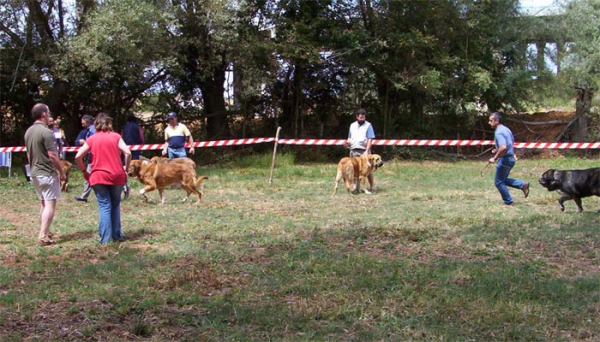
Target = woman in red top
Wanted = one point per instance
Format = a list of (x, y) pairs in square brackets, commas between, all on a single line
[(107, 176)]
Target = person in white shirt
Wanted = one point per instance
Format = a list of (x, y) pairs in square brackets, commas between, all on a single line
[(360, 139)]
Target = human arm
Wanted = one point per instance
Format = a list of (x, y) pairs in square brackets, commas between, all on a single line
[(166, 145), (82, 152), (370, 137), (499, 152), (126, 152), (368, 149), (191, 141), (60, 148), (347, 143), (141, 132), (502, 139), (165, 148), (56, 162)]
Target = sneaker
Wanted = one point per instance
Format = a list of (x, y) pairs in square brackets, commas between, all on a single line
[(46, 242), (126, 191), (81, 199), (53, 235), (525, 189)]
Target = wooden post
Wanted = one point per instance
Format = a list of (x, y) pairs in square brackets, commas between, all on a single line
[(274, 155)]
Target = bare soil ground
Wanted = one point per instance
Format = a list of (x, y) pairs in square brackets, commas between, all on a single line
[(542, 127)]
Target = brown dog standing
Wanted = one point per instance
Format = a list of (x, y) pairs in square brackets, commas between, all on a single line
[(355, 170), (66, 167), (167, 174)]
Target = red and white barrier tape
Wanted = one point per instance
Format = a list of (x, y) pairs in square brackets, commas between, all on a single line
[(336, 142)]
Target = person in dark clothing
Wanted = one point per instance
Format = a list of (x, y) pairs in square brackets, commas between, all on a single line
[(132, 134), (80, 136), (87, 122)]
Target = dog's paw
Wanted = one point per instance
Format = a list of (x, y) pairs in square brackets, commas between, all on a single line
[(368, 192)]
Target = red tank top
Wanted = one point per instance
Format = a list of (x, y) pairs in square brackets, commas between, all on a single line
[(107, 168)]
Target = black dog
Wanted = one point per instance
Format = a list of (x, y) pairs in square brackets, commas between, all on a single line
[(572, 184)]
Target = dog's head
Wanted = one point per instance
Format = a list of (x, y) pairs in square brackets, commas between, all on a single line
[(550, 179), (135, 168), (66, 166), (375, 161)]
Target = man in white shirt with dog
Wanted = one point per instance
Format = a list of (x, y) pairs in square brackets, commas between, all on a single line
[(360, 138)]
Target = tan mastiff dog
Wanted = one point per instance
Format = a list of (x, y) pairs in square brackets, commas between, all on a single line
[(355, 170)]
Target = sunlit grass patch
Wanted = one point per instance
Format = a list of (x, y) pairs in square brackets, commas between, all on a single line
[(433, 254)]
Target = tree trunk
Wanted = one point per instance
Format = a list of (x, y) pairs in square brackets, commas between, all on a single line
[(297, 93), (582, 109), (217, 125), (540, 61)]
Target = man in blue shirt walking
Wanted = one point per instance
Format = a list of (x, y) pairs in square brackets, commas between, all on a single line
[(504, 155)]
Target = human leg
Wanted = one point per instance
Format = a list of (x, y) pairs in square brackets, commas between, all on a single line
[(517, 183), (502, 171), (178, 153), (48, 191), (47, 210), (115, 211), (87, 189), (103, 196), (371, 182)]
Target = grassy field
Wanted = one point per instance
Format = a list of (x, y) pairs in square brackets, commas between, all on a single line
[(433, 255)]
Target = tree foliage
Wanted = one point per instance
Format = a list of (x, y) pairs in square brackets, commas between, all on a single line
[(122, 52), (421, 68), (581, 66)]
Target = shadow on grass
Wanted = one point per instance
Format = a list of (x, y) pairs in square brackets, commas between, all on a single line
[(75, 236), (130, 236)]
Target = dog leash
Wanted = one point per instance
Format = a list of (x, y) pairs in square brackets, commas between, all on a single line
[(481, 173)]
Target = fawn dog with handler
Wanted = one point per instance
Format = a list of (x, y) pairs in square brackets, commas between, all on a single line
[(66, 167), (354, 171), (159, 176), (164, 160)]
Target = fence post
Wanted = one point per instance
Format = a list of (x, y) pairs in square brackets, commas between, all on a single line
[(274, 155)]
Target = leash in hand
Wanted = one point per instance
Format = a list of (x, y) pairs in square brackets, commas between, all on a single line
[(482, 172)]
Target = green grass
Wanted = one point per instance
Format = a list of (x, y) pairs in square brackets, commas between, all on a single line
[(433, 255)]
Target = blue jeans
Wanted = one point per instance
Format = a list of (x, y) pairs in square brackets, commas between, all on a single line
[(501, 180), (176, 152), (109, 210)]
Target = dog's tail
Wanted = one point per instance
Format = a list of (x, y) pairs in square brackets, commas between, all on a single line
[(200, 179)]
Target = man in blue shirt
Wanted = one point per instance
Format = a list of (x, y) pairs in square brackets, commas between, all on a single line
[(87, 122), (504, 154)]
